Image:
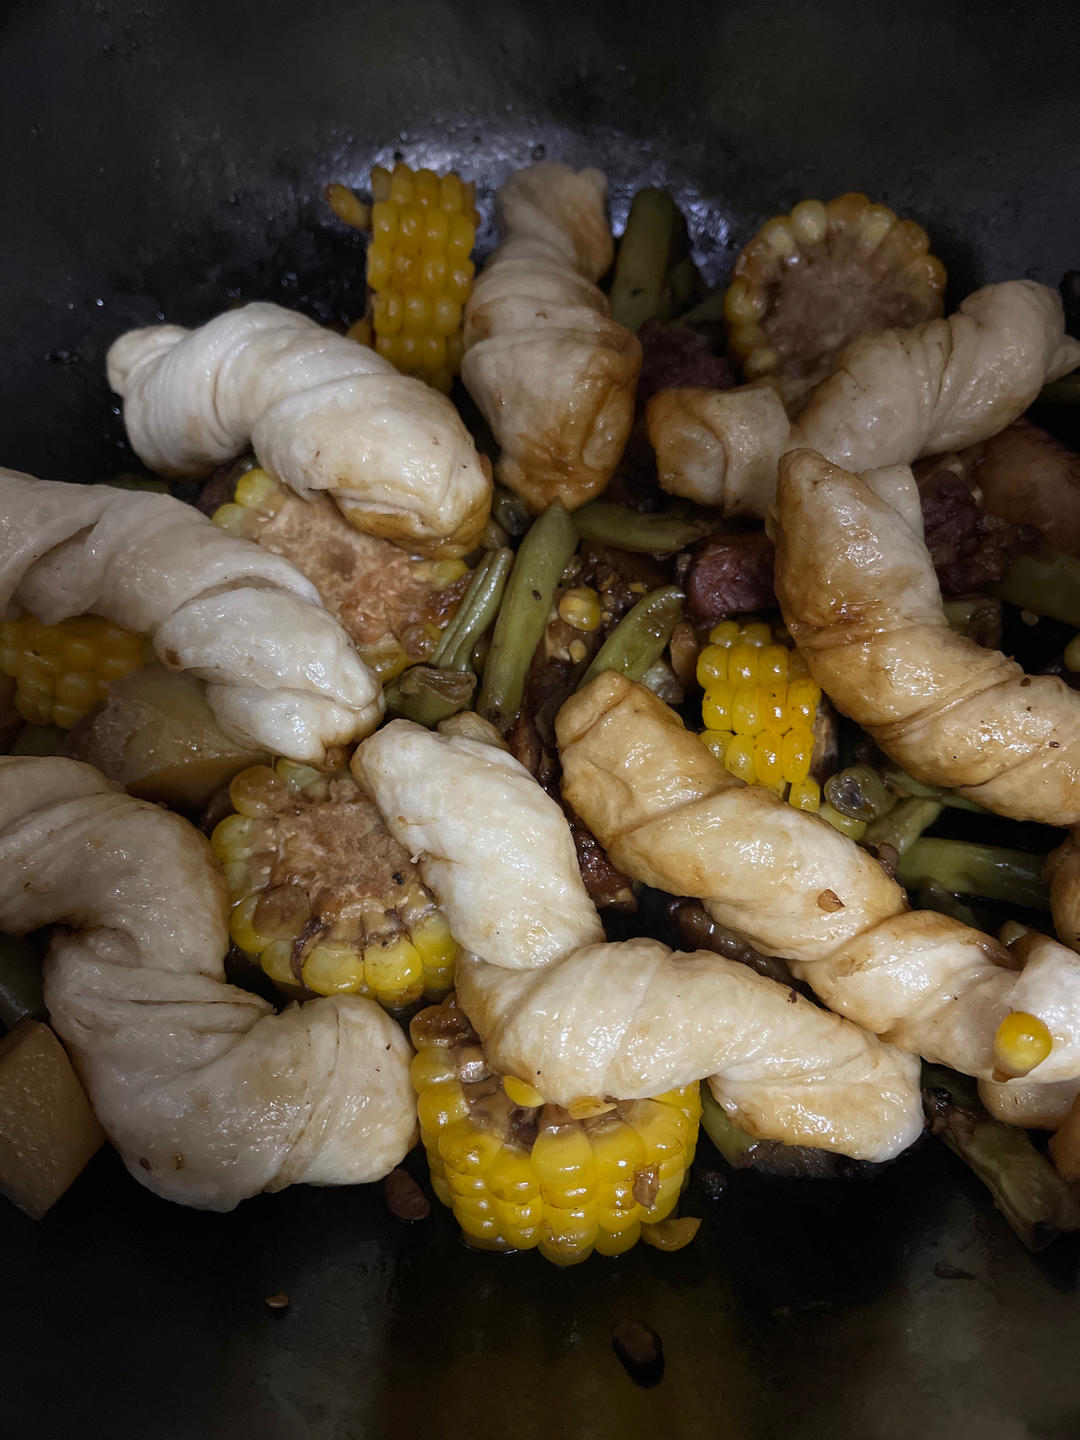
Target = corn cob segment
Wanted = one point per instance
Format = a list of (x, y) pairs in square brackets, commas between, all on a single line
[(322, 895), (809, 282), (759, 710), (423, 228), (393, 605), (520, 1174), (62, 671)]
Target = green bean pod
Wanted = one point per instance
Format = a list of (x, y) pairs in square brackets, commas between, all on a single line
[(427, 694), (638, 641), (644, 253), (1045, 585), (484, 609), (643, 534), (1015, 877), (541, 559), (1028, 1191), (900, 827), (905, 784), (487, 580)]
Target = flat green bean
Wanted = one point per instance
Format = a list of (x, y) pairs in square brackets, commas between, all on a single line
[(541, 559), (638, 641)]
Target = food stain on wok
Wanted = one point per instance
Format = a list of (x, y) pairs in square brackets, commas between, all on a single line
[(616, 729)]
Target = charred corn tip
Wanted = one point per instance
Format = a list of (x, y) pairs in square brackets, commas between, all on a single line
[(1022, 1041), (758, 709), (62, 671), (520, 1175), (395, 948), (419, 269), (259, 497), (788, 278)]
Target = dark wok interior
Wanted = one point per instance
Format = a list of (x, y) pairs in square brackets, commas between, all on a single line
[(164, 160)]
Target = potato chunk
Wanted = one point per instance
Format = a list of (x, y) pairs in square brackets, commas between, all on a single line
[(48, 1131), (156, 735)]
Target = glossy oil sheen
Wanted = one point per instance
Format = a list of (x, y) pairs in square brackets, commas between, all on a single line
[(167, 160)]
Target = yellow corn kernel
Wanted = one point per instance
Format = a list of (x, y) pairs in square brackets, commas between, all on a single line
[(805, 795), (774, 713), (380, 265), (802, 700), (716, 707), (739, 758), (432, 1066), (333, 969), (62, 671), (796, 754), (717, 741), (580, 607), (756, 633), (440, 1106), (671, 1234), (768, 762), (617, 1241), (773, 664), (712, 665), (725, 633), (743, 663), (241, 929), (746, 710), (437, 949), (419, 270), (853, 829), (466, 1149), (560, 1154), (522, 1093), (394, 971), (1021, 1042)]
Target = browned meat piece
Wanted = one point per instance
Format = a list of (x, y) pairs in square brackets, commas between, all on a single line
[(970, 550), (608, 887), (673, 359), (728, 574), (1029, 478)]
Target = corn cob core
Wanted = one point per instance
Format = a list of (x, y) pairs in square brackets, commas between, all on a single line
[(810, 281), (62, 671), (423, 227), (323, 895), (520, 1174), (759, 709), (394, 606)]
